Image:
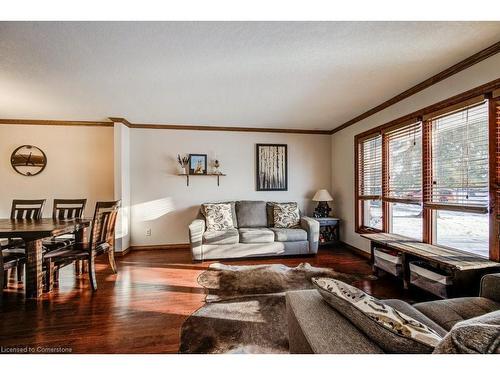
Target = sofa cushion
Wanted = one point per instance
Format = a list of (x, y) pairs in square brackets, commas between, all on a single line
[(242, 250), (218, 216), (490, 287), (392, 330), (480, 335), (447, 313), (314, 327), (256, 235), (286, 215), (251, 214), (289, 234), (221, 237)]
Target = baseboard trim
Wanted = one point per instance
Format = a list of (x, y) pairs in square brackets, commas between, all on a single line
[(354, 249), (122, 253), (182, 246)]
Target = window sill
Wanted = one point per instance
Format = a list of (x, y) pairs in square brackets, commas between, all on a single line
[(365, 230)]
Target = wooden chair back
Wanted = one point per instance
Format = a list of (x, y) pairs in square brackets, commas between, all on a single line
[(30, 209), (68, 208), (103, 224)]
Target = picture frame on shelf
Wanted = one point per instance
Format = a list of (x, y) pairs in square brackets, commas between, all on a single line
[(197, 164)]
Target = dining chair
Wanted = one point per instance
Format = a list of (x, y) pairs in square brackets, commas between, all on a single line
[(68, 208), (8, 262), (30, 209), (102, 241), (65, 209), (27, 209)]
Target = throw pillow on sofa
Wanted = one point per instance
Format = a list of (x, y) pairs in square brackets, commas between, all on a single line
[(233, 210), (479, 335), (286, 215), (218, 216), (392, 330)]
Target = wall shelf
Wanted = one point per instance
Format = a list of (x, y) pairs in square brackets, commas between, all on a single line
[(218, 175)]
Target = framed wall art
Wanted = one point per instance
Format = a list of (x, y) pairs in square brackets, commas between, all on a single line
[(272, 167)]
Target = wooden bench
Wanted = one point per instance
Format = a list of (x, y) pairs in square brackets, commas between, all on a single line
[(466, 268)]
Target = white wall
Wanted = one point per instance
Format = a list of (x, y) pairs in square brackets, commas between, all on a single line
[(79, 165), (162, 202), (343, 141)]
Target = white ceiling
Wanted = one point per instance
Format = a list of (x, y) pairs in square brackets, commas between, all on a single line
[(309, 75)]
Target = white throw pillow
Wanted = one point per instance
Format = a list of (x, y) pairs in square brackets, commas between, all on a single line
[(392, 330), (218, 216)]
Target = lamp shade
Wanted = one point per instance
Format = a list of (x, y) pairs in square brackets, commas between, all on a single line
[(322, 196)]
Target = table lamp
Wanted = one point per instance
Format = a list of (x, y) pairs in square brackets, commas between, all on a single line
[(322, 197)]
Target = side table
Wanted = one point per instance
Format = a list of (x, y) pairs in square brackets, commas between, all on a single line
[(328, 230)]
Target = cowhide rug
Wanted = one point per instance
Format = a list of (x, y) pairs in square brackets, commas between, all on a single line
[(245, 310)]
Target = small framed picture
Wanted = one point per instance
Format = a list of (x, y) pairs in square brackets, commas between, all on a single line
[(197, 164)]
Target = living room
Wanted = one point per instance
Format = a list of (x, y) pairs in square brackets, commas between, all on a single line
[(251, 187)]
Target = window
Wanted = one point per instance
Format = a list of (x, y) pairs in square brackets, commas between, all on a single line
[(406, 220), (430, 178), (372, 214), (404, 180), (369, 188), (463, 230), (460, 181), (460, 160)]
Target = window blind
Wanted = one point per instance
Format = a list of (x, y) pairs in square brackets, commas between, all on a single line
[(495, 217), (496, 180), (459, 149), (404, 152), (370, 167)]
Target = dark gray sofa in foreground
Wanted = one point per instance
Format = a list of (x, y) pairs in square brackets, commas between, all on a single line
[(253, 235), (315, 327)]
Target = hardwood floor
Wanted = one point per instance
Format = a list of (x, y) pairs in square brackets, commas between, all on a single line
[(141, 309)]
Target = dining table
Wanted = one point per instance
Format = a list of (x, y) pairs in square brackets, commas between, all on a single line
[(32, 232)]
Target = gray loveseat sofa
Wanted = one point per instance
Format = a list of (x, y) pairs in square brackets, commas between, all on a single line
[(315, 327), (253, 235)]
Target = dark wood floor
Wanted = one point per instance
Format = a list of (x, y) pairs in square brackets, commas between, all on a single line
[(141, 309)]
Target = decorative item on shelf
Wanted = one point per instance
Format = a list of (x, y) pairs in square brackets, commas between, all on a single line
[(217, 166), (28, 160), (272, 167), (197, 164), (322, 197), (183, 164)]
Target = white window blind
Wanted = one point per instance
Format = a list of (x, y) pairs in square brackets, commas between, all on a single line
[(460, 160), (404, 150), (370, 168)]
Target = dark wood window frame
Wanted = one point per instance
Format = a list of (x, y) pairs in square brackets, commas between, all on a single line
[(360, 197), (489, 92)]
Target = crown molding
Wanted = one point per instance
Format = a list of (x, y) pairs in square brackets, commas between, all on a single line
[(452, 70), (54, 122), (216, 128), (122, 120)]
